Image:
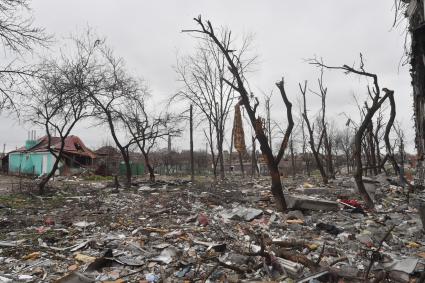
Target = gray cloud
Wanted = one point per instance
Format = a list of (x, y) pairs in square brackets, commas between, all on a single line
[(147, 35)]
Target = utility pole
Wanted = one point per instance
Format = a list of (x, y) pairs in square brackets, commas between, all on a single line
[(192, 167)]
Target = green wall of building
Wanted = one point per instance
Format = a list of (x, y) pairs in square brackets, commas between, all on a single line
[(136, 169), (34, 163)]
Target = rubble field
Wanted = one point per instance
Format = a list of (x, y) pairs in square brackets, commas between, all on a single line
[(229, 231)]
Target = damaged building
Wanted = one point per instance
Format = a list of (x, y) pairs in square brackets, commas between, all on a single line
[(109, 162), (35, 158)]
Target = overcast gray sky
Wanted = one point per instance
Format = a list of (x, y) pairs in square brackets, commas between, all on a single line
[(147, 35)]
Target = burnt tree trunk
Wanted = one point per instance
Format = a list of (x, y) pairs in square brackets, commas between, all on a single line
[(276, 186), (326, 140), (238, 85), (390, 154), (358, 173), (417, 72), (377, 101), (276, 183), (378, 144), (371, 147), (291, 148)]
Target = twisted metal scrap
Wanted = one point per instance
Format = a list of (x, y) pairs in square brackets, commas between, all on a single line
[(238, 132)]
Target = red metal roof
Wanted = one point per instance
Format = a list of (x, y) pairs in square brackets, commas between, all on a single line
[(73, 145)]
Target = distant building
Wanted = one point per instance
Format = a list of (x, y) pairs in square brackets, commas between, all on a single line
[(35, 157), (109, 162)]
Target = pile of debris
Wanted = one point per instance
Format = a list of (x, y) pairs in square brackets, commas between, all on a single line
[(223, 232)]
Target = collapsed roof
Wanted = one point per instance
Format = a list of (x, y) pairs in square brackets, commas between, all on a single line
[(73, 145)]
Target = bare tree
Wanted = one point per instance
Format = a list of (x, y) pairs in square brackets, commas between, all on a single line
[(292, 143), (324, 132), (398, 169), (59, 102), (17, 31), (305, 154), (402, 154), (109, 90), (17, 34), (376, 103), (238, 83), (146, 129), (201, 76), (209, 136), (367, 144), (108, 108), (344, 142), (315, 147)]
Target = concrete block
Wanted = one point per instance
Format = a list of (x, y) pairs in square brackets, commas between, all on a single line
[(313, 191), (309, 203)]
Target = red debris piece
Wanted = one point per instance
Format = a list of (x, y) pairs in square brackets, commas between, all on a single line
[(202, 219), (272, 261), (41, 229), (49, 221)]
